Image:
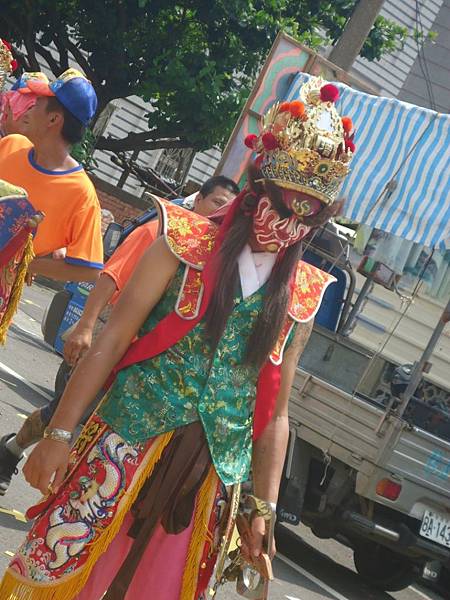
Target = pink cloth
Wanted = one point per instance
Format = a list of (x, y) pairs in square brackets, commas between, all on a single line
[(18, 103), (160, 571)]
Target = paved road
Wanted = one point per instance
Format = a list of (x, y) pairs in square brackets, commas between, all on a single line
[(307, 568)]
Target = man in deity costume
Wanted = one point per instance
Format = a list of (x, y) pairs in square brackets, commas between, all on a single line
[(214, 193), (221, 313)]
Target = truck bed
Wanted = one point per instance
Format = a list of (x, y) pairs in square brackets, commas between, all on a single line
[(343, 425), (351, 429)]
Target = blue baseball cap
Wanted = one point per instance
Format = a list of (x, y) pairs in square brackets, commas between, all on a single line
[(71, 88)]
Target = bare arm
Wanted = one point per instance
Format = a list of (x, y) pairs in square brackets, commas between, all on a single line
[(270, 448), (158, 265), (79, 341), (58, 269)]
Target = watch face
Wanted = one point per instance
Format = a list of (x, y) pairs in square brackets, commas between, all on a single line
[(272, 231)]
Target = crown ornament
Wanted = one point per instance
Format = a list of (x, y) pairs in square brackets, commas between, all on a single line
[(7, 63), (305, 145)]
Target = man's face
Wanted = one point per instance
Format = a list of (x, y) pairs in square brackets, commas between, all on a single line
[(207, 205), (14, 105), (37, 122), (9, 126)]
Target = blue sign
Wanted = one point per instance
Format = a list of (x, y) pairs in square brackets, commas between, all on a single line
[(80, 292)]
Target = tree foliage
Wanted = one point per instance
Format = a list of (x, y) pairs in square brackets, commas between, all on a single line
[(194, 61)]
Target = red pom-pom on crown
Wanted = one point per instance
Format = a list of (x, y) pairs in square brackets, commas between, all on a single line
[(347, 124), (284, 107), (269, 141), (250, 141), (329, 93)]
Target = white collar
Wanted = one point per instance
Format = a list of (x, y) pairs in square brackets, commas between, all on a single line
[(254, 269)]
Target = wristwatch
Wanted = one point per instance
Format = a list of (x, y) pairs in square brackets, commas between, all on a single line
[(58, 435)]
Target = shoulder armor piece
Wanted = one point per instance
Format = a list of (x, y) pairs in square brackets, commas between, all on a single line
[(310, 284), (309, 287), (189, 236)]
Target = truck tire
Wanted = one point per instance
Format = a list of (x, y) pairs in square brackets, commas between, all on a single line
[(382, 568)]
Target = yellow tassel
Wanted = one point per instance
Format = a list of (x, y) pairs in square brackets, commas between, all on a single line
[(16, 587), (200, 535), (16, 291)]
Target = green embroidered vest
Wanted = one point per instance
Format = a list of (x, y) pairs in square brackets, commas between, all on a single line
[(189, 382)]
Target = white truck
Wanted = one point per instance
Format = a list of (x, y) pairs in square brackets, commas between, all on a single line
[(360, 471)]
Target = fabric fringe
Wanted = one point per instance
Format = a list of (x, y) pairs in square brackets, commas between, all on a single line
[(15, 587), (16, 291), (200, 535)]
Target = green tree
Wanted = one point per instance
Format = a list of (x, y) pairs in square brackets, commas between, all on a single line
[(194, 61)]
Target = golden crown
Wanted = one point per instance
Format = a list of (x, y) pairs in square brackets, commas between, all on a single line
[(6, 62), (305, 145)]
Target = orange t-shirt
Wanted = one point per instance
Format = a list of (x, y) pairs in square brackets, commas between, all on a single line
[(67, 198), (124, 260)]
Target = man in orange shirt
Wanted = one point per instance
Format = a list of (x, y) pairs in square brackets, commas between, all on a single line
[(214, 194), (56, 184)]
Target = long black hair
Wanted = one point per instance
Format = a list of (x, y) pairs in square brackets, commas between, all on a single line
[(276, 299)]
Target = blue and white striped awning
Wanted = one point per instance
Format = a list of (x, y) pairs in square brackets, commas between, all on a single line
[(401, 143)]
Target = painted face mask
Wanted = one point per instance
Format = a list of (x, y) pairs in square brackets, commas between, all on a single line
[(275, 232)]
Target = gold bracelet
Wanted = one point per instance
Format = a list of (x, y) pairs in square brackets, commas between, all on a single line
[(58, 435)]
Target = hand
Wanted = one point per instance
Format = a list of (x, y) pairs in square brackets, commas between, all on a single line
[(59, 254), (47, 465), (78, 342), (252, 544)]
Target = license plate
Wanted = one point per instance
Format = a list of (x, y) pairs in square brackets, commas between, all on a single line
[(436, 527)]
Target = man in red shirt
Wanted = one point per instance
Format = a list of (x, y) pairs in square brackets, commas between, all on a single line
[(215, 193)]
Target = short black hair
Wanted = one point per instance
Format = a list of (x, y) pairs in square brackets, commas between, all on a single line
[(72, 130), (221, 181)]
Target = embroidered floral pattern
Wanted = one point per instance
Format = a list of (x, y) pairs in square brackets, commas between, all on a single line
[(310, 285), (189, 382), (191, 292), (191, 237)]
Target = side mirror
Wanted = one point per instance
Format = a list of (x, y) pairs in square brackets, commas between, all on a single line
[(111, 239)]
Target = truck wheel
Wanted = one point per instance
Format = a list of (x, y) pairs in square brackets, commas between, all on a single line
[(382, 568)]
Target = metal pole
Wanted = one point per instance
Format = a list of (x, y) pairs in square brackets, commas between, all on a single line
[(416, 374), (364, 292)]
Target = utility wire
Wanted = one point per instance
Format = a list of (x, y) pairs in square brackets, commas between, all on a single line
[(421, 55)]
